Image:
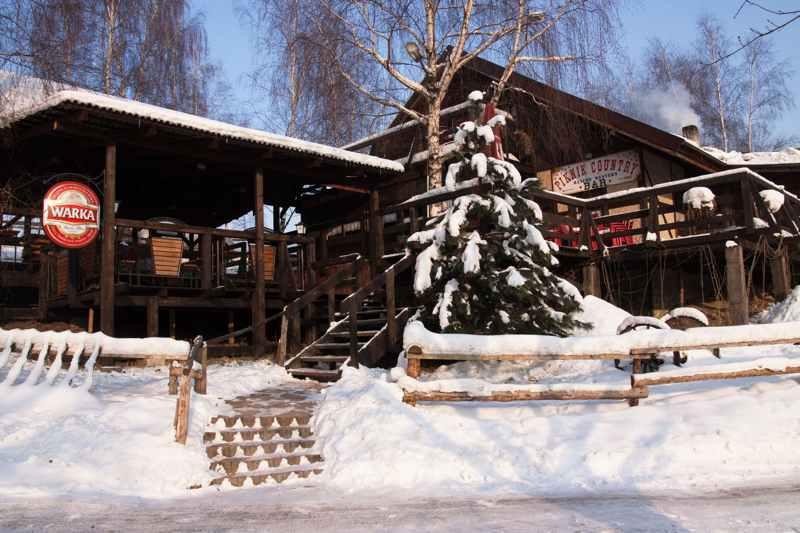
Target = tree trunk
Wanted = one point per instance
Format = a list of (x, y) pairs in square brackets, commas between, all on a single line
[(434, 149)]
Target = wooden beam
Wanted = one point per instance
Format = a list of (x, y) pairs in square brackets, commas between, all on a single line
[(413, 397), (738, 298), (259, 303), (205, 261), (780, 273), (109, 242), (655, 379), (591, 280), (375, 231), (152, 316)]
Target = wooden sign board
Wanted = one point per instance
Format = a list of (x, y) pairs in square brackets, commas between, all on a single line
[(612, 169)]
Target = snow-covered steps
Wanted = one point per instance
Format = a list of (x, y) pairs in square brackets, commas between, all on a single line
[(259, 477), (249, 434), (252, 448), (268, 439), (243, 465)]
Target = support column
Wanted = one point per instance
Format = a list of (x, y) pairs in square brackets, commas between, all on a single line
[(205, 261), (375, 231), (738, 301), (152, 316), (258, 305), (109, 242), (591, 280), (781, 273)]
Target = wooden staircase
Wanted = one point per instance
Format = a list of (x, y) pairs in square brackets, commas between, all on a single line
[(367, 328), (324, 358)]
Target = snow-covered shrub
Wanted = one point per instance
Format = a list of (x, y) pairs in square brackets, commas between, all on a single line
[(486, 266)]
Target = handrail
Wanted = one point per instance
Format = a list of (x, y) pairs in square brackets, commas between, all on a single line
[(352, 303)]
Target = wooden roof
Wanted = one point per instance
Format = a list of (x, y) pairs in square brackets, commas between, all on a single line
[(170, 163)]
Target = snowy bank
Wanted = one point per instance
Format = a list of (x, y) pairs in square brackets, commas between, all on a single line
[(118, 440)]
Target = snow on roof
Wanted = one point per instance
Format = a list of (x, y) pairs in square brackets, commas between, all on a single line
[(782, 157), (193, 122)]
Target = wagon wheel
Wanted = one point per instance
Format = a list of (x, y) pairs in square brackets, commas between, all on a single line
[(638, 323), (675, 319)]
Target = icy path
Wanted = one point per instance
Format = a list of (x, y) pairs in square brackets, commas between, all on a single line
[(762, 510)]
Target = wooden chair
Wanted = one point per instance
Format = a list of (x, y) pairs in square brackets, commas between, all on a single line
[(269, 261), (167, 254)]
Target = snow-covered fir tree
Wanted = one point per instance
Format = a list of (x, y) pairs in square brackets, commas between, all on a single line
[(485, 266)]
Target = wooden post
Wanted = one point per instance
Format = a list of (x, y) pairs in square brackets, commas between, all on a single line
[(283, 270), (296, 327), (44, 285), (152, 316), (591, 280), (375, 231), (90, 321), (231, 326), (201, 384), (182, 407), (109, 242), (781, 273), (322, 245), (331, 305), (280, 354), (172, 326), (391, 307), (636, 368), (310, 263), (259, 303), (414, 222), (414, 366), (205, 261), (738, 301), (353, 334), (73, 275), (747, 203)]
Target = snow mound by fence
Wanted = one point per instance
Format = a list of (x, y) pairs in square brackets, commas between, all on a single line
[(787, 310)]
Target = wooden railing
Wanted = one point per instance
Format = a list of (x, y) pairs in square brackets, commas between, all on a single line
[(216, 257), (352, 304), (302, 311), (645, 216)]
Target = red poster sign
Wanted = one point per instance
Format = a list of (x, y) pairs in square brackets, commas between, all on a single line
[(71, 214)]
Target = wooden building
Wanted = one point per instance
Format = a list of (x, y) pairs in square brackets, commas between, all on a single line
[(168, 183), (625, 235)]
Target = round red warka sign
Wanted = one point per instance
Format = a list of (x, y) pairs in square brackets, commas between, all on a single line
[(71, 216)]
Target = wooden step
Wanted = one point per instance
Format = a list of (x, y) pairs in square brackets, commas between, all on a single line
[(363, 333), (255, 447), (232, 465), (335, 345), (370, 322), (324, 358), (259, 422), (252, 434), (278, 475), (314, 373)]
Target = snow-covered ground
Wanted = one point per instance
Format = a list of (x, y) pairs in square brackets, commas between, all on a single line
[(117, 439), (696, 438), (689, 437)]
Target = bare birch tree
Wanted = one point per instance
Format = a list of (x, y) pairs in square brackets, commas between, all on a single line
[(420, 45), (297, 82), (150, 50)]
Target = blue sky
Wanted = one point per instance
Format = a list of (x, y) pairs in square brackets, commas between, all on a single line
[(230, 44)]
